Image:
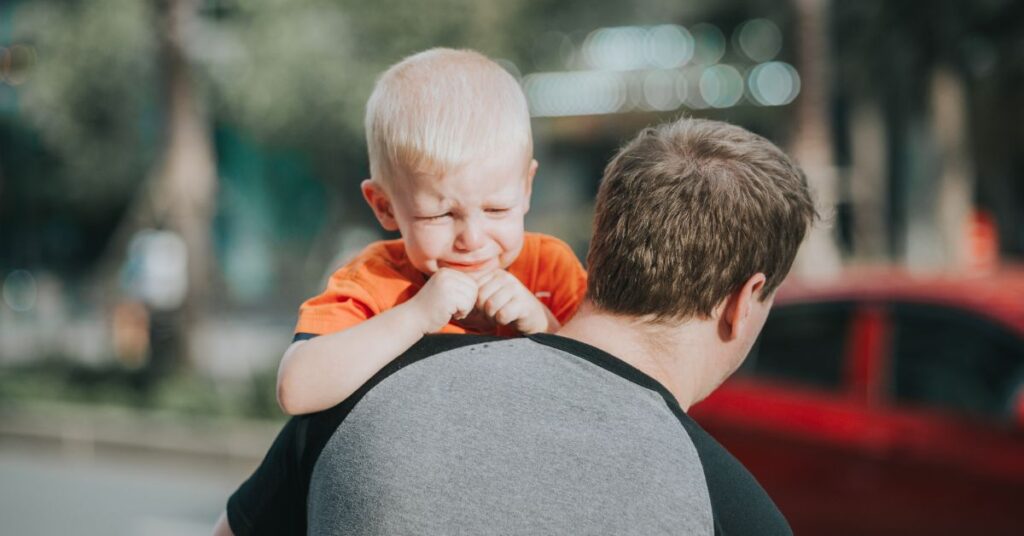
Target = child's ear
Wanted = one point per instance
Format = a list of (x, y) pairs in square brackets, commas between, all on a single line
[(378, 199), (529, 185)]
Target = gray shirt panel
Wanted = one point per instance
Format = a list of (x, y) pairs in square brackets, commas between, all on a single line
[(509, 437)]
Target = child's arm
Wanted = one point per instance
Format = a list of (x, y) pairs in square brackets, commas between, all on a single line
[(222, 528), (505, 299), (321, 372)]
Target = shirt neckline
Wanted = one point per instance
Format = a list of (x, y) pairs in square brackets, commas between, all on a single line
[(608, 362)]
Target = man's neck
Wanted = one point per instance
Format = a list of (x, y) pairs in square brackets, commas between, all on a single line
[(673, 356)]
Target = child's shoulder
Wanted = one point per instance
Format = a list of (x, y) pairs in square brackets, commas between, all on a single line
[(383, 255), (544, 245), (545, 256)]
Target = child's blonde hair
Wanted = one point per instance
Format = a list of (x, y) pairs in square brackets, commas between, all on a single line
[(440, 108)]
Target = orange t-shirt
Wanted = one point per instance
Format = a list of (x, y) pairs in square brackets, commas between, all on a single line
[(381, 277)]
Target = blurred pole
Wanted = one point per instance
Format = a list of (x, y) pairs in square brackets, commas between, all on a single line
[(183, 194), (812, 142), (956, 177), (868, 187), (939, 189)]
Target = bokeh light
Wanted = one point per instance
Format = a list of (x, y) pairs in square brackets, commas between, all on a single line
[(688, 88), (575, 93), (615, 49), (709, 43), (659, 89), (721, 86), (682, 87), (15, 63), (774, 83), (668, 46), (758, 39), (20, 290)]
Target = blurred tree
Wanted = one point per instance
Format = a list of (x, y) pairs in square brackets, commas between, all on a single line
[(812, 144), (941, 85), (90, 95), (125, 93), (101, 65)]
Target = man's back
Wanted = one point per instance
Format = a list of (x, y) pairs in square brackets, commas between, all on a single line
[(532, 435), (509, 436)]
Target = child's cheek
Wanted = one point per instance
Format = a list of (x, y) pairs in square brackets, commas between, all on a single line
[(511, 245)]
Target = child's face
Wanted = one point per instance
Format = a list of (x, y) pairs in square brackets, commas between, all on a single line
[(469, 218)]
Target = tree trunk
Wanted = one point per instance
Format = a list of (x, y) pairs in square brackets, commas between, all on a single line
[(185, 182), (938, 201), (868, 182), (811, 145)]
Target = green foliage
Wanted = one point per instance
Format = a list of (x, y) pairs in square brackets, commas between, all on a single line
[(299, 72), (90, 94), (293, 74), (283, 72)]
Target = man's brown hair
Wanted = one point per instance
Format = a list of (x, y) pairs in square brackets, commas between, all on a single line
[(686, 213)]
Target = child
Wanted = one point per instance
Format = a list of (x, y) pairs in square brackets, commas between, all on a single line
[(451, 165)]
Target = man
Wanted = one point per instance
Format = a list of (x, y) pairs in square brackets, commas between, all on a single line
[(585, 431)]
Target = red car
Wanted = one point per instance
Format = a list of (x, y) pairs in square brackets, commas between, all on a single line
[(885, 404)]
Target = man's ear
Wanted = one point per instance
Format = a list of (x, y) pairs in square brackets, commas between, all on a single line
[(733, 313), (529, 185), (378, 199)]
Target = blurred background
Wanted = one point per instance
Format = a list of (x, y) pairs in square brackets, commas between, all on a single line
[(177, 176)]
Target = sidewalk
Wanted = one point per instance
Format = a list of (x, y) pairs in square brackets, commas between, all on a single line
[(95, 430)]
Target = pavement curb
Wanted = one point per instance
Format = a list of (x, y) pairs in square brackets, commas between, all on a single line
[(116, 428)]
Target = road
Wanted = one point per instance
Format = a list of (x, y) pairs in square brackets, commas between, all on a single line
[(49, 489)]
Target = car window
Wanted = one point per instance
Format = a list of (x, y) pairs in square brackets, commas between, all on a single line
[(803, 344), (953, 359)]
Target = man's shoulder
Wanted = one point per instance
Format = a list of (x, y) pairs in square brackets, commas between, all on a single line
[(437, 343), (741, 505)]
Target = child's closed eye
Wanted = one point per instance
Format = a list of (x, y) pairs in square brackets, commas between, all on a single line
[(435, 217)]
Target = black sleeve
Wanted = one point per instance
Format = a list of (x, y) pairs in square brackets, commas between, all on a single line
[(738, 502), (273, 499), (302, 336)]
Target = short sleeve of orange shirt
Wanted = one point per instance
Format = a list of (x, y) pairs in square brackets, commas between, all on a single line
[(381, 277)]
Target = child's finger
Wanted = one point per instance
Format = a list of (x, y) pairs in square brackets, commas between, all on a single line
[(497, 301), (465, 300), (462, 311), (484, 293), (509, 312), (495, 284), (483, 278)]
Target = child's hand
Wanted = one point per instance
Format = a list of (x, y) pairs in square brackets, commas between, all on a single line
[(447, 294), (505, 299)]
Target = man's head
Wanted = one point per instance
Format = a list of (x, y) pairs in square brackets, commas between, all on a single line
[(451, 165), (689, 214)]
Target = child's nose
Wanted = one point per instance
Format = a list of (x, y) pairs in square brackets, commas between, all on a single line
[(470, 237)]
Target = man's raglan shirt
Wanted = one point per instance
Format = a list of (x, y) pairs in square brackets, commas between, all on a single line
[(382, 276), (481, 435)]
